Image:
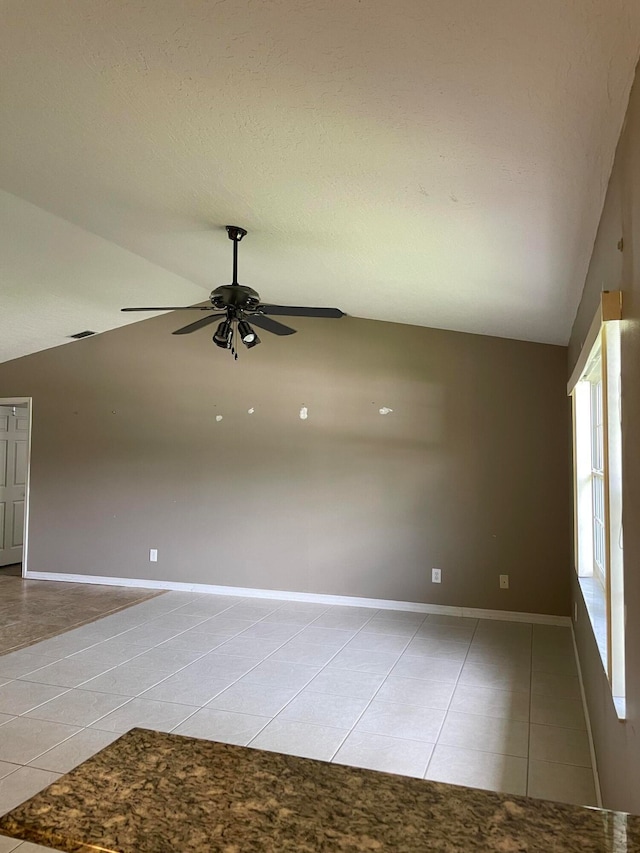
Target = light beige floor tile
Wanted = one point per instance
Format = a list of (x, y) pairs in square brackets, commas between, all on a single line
[(7, 845), (303, 739), (224, 726), (475, 769), (445, 632), (254, 610), (22, 785), (499, 677), (344, 621), (109, 653), (18, 697), (311, 608), (28, 847), (333, 638), (500, 655), (296, 651), (24, 739), (247, 698), (392, 627), (557, 711), (503, 628), (490, 702), (214, 665), (552, 636), (275, 631), (128, 679), (549, 684), (290, 617), (207, 605), (346, 682), (78, 707), (431, 669), (363, 660), (6, 768), (275, 673), (177, 620), (150, 633), (247, 647), (556, 663), (379, 643), (222, 625), (565, 746), (403, 721), (561, 783), (488, 734), (194, 642), (451, 621), (324, 709), (18, 664), (67, 672), (167, 660), (146, 714), (187, 689), (405, 616), (433, 647), (416, 691), (75, 750), (4, 718), (387, 754)]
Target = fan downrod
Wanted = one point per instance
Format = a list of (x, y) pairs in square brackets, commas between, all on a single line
[(235, 232)]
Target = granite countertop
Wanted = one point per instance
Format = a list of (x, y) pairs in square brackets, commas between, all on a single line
[(150, 792)]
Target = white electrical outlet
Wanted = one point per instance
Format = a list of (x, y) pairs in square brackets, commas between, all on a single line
[(153, 555), (436, 576), (504, 581)]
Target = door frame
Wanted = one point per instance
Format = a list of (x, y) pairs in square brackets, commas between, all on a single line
[(14, 401)]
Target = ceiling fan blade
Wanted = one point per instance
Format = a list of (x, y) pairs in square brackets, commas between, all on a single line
[(199, 324), (173, 308), (270, 325), (295, 311)]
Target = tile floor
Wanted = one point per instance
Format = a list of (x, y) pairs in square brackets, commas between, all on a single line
[(474, 702)]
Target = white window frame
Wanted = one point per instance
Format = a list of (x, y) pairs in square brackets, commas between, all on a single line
[(597, 455)]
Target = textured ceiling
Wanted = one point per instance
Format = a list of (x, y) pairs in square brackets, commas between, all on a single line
[(438, 162)]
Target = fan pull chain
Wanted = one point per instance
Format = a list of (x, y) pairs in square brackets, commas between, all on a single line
[(234, 352)]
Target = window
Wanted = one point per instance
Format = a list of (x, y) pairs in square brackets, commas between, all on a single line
[(597, 456)]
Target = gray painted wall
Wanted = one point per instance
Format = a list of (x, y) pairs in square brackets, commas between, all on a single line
[(617, 744), (469, 473)]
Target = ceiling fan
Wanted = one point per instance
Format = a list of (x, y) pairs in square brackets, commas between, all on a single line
[(238, 304)]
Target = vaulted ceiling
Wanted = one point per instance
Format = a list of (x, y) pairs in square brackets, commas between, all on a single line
[(434, 162)]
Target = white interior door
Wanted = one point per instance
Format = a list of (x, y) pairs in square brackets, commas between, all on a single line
[(14, 434)]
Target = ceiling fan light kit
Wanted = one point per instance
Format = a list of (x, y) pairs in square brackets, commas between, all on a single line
[(236, 304)]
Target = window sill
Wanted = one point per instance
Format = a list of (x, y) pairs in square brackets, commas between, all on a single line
[(596, 605)]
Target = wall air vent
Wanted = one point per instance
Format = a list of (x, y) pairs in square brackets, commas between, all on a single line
[(79, 335)]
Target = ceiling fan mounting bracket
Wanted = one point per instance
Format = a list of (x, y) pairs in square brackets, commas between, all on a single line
[(235, 232)]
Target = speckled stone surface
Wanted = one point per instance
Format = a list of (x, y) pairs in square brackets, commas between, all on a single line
[(150, 792)]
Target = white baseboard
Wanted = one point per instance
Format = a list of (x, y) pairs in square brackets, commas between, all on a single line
[(316, 598), (587, 719)]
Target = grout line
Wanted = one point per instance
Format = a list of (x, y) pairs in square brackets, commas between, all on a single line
[(455, 687)]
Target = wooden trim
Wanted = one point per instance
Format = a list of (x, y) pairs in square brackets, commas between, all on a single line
[(611, 305), (610, 308)]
